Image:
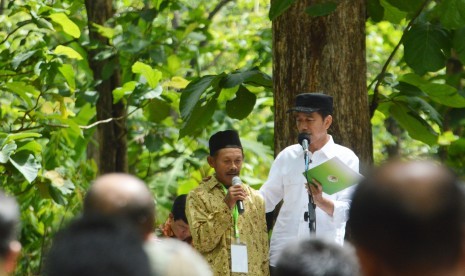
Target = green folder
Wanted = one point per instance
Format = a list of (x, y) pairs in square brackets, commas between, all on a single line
[(333, 175)]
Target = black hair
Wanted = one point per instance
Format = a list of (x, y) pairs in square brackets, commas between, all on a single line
[(315, 257), (95, 246), (179, 208), (409, 222)]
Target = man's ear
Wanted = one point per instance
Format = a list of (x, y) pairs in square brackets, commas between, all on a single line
[(211, 161), (12, 256), (328, 121)]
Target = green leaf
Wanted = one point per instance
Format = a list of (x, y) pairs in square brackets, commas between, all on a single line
[(321, 9), (440, 93), (157, 110), (19, 58), (26, 164), (154, 143), (253, 77), (277, 7), (241, 106), (64, 185), (68, 73), (452, 13), (67, 51), (41, 22), (153, 93), (391, 13), (425, 48), (31, 146), (104, 31), (416, 126), (457, 148), (444, 94), (459, 44), (375, 10), (120, 92), (68, 26), (152, 76), (410, 90), (21, 89), (418, 104), (193, 92), (22, 135), (174, 63), (199, 118), (7, 151), (410, 6)]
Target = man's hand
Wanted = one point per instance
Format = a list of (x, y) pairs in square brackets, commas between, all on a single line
[(235, 193), (317, 192)]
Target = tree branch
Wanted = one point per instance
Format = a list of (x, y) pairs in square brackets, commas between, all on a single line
[(218, 7), (380, 77), (10, 34)]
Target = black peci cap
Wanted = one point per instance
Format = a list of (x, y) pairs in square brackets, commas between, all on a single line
[(311, 102), (224, 139)]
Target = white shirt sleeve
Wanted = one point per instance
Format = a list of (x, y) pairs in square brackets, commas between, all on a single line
[(272, 190), (343, 199)]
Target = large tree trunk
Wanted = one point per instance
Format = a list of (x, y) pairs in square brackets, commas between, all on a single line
[(325, 54), (111, 136)]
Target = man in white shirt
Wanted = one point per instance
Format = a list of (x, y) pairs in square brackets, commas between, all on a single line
[(313, 116)]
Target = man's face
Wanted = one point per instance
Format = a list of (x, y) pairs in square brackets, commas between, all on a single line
[(314, 125), (227, 163), (180, 229)]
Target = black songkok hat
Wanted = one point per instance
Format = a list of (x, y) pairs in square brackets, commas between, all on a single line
[(311, 102), (224, 139)]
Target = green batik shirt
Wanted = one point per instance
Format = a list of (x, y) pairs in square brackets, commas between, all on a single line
[(212, 228)]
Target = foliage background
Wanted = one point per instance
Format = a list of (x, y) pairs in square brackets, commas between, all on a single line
[(190, 68)]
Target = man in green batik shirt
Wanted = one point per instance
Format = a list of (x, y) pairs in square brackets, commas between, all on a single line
[(216, 227)]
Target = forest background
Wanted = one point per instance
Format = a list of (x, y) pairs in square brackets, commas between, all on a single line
[(89, 87)]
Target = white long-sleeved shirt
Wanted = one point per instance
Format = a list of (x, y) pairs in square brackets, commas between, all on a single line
[(286, 182)]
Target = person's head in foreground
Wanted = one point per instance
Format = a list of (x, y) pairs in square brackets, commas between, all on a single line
[(9, 230), (407, 218), (124, 196), (172, 257), (317, 257), (96, 246)]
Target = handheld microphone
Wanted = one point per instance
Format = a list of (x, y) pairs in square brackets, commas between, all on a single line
[(240, 205), (304, 140)]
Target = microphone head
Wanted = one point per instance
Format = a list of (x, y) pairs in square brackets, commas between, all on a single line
[(236, 180), (304, 136)]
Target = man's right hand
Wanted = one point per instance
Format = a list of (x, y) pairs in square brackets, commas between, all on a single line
[(235, 193)]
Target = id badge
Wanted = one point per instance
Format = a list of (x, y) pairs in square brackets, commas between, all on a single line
[(239, 261)]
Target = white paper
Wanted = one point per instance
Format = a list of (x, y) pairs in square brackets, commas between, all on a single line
[(239, 262)]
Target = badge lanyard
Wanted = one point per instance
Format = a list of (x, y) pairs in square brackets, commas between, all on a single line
[(235, 216)]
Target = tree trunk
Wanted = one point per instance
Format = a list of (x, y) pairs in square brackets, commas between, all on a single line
[(111, 137), (323, 54)]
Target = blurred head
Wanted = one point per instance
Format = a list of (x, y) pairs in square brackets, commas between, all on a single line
[(315, 257), (124, 196), (179, 224), (9, 230), (226, 155), (171, 257), (95, 246), (407, 217)]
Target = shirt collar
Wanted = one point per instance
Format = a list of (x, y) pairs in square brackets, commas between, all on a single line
[(326, 150), (212, 182)]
